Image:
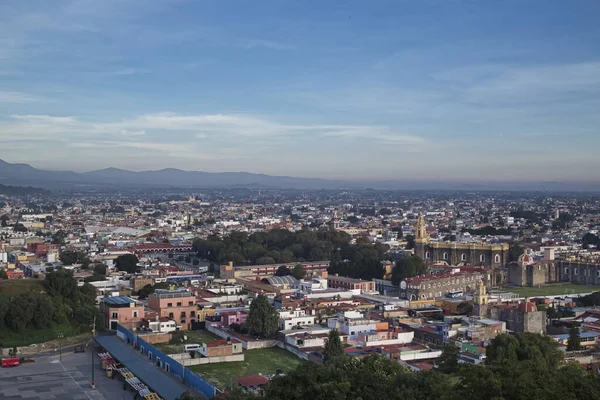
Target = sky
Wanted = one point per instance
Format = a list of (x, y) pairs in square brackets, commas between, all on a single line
[(427, 90)]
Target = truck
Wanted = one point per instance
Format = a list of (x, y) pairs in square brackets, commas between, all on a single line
[(10, 362)]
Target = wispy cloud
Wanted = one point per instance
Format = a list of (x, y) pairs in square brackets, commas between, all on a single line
[(17, 97)]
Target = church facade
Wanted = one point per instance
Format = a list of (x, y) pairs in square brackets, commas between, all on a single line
[(488, 255)]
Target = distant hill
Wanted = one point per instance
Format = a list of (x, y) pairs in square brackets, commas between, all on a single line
[(25, 174)]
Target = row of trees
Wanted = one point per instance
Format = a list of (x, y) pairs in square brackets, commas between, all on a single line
[(61, 302), (275, 246), (525, 367)]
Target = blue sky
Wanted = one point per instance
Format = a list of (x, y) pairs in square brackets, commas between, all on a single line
[(409, 90)]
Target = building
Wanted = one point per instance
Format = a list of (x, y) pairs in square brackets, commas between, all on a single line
[(341, 282), (160, 324), (121, 310), (264, 271), (486, 254), (221, 348), (138, 282), (288, 319), (433, 286), (179, 305), (529, 272)]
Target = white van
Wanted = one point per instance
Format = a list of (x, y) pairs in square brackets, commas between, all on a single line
[(191, 347)]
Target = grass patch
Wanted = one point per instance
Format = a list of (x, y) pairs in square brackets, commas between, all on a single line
[(10, 339), (176, 345), (18, 286), (263, 361), (555, 289)]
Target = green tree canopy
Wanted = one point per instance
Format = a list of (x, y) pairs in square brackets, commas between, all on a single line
[(282, 271), (333, 350), (263, 318), (407, 267), (298, 272), (127, 263)]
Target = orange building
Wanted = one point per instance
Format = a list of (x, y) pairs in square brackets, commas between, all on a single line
[(178, 305)]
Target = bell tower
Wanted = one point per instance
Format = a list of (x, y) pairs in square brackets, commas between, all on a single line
[(334, 224), (481, 297), (421, 230)]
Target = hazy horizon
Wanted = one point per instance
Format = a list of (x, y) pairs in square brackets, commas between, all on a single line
[(384, 90)]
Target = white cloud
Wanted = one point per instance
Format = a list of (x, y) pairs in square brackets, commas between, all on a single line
[(17, 97)]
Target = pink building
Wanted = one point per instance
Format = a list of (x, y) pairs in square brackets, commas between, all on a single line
[(121, 310), (178, 305)]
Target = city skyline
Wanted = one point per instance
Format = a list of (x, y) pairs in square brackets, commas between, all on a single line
[(381, 90)]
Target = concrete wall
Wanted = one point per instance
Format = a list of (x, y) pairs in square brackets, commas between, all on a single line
[(248, 345), (186, 360)]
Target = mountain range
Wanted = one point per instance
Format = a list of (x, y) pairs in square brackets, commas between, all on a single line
[(25, 174)]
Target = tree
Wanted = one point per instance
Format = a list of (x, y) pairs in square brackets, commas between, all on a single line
[(4, 220), (333, 350), (68, 257), (410, 242), (448, 361), (591, 299), (298, 272), (589, 239), (100, 269), (540, 349), (515, 251), (60, 283), (574, 342), (3, 274), (59, 237), (127, 263), (465, 308), (263, 318), (282, 271), (407, 267)]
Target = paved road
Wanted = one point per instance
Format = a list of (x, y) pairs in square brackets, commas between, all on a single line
[(50, 379)]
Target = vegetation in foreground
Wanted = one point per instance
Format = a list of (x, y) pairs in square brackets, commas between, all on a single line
[(525, 367), (34, 313)]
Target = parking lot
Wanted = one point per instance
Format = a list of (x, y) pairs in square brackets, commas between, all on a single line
[(49, 379)]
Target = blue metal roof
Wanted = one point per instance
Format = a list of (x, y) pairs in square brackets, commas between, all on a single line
[(118, 300), (145, 371)]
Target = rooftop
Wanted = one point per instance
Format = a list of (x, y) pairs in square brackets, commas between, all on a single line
[(118, 300)]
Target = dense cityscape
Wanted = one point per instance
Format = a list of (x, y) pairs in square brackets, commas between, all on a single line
[(299, 200), (254, 292)]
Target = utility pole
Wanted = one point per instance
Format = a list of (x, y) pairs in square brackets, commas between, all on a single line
[(60, 336), (92, 349)]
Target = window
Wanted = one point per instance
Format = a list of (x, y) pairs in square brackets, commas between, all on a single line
[(191, 303), (115, 315), (135, 314), (183, 314), (427, 255), (576, 271), (169, 304), (497, 258), (171, 315), (482, 258), (463, 257), (192, 314), (566, 271), (179, 304), (445, 256), (183, 321)]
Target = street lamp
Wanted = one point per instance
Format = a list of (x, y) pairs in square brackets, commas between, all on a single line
[(60, 336), (93, 334)]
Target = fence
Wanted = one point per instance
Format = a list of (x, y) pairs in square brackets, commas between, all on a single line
[(162, 360)]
